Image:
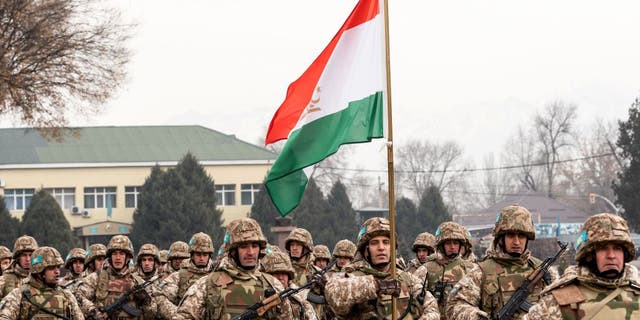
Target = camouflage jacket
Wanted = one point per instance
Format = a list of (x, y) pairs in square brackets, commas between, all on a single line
[(167, 270), (229, 291), (353, 295), (441, 274), (304, 271), (485, 289), (57, 300), (413, 265), (12, 278), (143, 275), (174, 286), (574, 295), (301, 308)]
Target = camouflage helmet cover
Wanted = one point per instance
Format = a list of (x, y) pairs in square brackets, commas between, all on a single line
[(243, 230), (164, 256), (278, 261), (344, 248), (120, 242), (22, 244), (201, 242), (450, 231), (5, 253), (322, 252), (271, 248), (75, 254), (426, 240), (600, 229), (179, 250), (95, 250), (44, 257), (514, 219), (301, 235), (148, 249), (371, 228)]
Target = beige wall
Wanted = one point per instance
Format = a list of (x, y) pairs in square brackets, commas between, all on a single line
[(119, 177)]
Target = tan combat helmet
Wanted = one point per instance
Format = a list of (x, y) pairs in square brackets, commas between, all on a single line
[(600, 229), (201, 242), (22, 244), (74, 254), (44, 257), (345, 249), (426, 240), (244, 230), (514, 219), (301, 235), (371, 228), (179, 250), (276, 262), (164, 256), (95, 250), (450, 231), (321, 252), (148, 249), (5, 253), (120, 242)]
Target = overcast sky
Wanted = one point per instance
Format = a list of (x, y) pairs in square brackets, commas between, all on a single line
[(469, 71)]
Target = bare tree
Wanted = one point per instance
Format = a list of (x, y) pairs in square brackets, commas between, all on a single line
[(59, 57), (519, 152), (495, 182), (554, 128)]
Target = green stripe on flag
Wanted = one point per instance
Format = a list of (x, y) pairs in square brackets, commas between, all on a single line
[(361, 121)]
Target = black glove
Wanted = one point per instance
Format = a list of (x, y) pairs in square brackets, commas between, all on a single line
[(141, 297), (388, 286), (320, 280)]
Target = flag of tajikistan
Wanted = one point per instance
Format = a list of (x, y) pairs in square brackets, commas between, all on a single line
[(337, 100)]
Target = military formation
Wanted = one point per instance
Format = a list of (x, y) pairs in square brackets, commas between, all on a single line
[(249, 278)]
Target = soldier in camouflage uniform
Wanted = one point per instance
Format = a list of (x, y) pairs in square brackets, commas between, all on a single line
[(100, 290), (164, 258), (178, 251), (446, 267), (147, 261), (5, 258), (96, 254), (423, 246), (321, 256), (74, 263), (237, 283), (343, 252), (365, 289), (40, 297), (299, 244), (279, 265), (466, 251), (602, 286), (484, 290), (19, 268)]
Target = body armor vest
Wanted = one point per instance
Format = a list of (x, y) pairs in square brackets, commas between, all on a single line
[(579, 300), (13, 278), (186, 278), (440, 279), (111, 287), (53, 300), (227, 294)]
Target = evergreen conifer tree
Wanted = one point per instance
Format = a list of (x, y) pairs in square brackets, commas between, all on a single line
[(406, 217), (45, 221), (9, 226), (312, 214), (431, 210), (340, 215), (265, 212), (627, 190)]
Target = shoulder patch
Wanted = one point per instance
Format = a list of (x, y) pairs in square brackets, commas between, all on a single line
[(568, 295)]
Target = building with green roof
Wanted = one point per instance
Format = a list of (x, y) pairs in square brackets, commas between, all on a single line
[(95, 167)]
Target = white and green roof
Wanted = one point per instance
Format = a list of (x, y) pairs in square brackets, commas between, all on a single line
[(128, 145)]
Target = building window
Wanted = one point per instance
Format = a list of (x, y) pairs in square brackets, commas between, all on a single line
[(131, 195), (18, 199), (66, 197), (99, 197), (248, 193), (226, 194)]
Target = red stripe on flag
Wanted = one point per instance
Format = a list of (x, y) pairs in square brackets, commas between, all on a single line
[(300, 91)]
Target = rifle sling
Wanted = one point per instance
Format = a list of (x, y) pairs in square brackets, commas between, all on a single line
[(40, 307)]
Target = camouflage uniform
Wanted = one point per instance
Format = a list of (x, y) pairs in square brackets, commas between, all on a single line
[(20, 303), (577, 293), (15, 274), (71, 280), (231, 289), (485, 289), (321, 252), (441, 273), (468, 255), (95, 250), (147, 249), (354, 294), (276, 262), (5, 253), (343, 249), (177, 250), (164, 256), (99, 290), (304, 270), (423, 240)]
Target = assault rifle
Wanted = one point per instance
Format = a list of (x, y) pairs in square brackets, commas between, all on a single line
[(518, 301), (272, 299), (121, 303)]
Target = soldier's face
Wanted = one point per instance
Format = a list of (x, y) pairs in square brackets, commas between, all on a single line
[(200, 259), (77, 266), (118, 259), (147, 264), (98, 262), (342, 261), (283, 277), (422, 254), (321, 263), (380, 250), (515, 242), (4, 264), (451, 248), (176, 262), (24, 260), (248, 254), (610, 259), (295, 249), (51, 275)]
